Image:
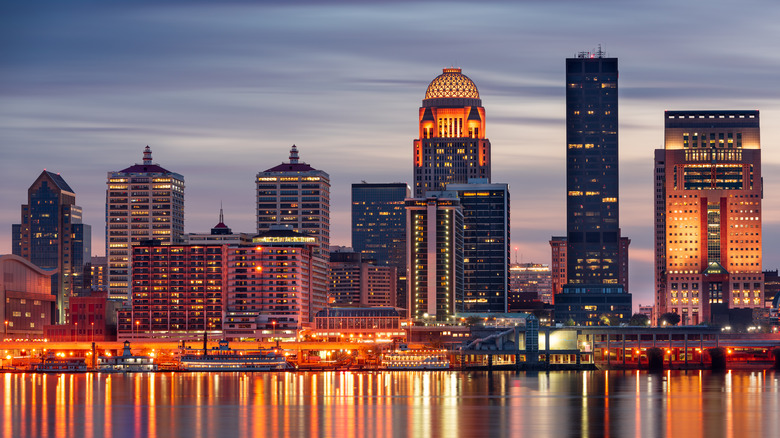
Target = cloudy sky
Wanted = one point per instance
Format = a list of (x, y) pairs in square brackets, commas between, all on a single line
[(221, 91)]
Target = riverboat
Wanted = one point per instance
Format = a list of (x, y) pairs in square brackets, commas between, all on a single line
[(406, 359), (52, 364), (126, 363), (223, 358)]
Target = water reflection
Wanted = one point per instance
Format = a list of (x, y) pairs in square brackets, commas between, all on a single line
[(391, 404)]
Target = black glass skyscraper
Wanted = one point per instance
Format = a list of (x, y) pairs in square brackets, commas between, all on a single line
[(592, 217)]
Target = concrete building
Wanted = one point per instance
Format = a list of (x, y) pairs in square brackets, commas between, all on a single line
[(272, 285), (485, 245), (452, 146), (558, 264), (708, 256), (25, 293), (177, 291), (93, 318), (143, 202), (435, 256), (358, 282), (52, 237)]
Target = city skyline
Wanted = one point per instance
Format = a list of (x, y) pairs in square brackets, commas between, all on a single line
[(222, 93)]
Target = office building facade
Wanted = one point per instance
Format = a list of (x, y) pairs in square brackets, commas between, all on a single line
[(485, 245), (52, 236), (143, 202), (709, 255), (435, 256), (355, 281), (451, 146), (534, 278)]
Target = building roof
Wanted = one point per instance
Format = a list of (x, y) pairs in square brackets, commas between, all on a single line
[(452, 84), (353, 312), (59, 181), (294, 165)]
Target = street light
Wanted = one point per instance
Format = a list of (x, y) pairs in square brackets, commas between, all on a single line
[(136, 328), (6, 329), (93, 331)]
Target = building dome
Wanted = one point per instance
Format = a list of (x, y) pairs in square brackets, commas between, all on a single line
[(452, 84)]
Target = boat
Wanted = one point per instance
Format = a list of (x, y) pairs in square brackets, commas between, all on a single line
[(52, 364), (126, 362), (405, 359), (224, 358)]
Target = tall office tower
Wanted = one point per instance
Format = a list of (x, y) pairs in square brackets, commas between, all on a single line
[(592, 214), (176, 291), (532, 278), (143, 202), (271, 291), (451, 147), (295, 194), (485, 245), (558, 264), (355, 281), (379, 228), (434, 248), (98, 275), (52, 237), (709, 259)]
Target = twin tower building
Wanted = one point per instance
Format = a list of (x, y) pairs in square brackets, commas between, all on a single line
[(449, 241)]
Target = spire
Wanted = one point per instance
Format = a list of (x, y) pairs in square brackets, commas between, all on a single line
[(147, 155), (221, 217), (294, 155)]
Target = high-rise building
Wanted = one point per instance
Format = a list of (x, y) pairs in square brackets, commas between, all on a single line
[(708, 256), (532, 278), (52, 237), (355, 281), (485, 245), (143, 202), (177, 291), (435, 256), (379, 228), (295, 194), (270, 285), (595, 250), (558, 265), (451, 147)]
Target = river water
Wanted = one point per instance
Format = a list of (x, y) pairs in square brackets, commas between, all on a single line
[(741, 404)]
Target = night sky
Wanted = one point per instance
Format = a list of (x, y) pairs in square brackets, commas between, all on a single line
[(221, 91)]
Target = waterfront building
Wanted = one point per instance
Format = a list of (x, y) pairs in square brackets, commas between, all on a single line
[(92, 319), (434, 248), (355, 281), (595, 249), (177, 291), (26, 298), (379, 227), (271, 285), (52, 236), (143, 202), (532, 278), (452, 146), (358, 323), (708, 215), (485, 245)]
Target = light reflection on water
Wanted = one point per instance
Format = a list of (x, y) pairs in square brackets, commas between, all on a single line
[(391, 404)]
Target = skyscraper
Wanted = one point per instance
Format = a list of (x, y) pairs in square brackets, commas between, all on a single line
[(485, 245), (596, 256), (298, 195), (52, 237), (295, 194), (435, 256), (592, 213), (379, 227), (708, 215), (451, 147), (143, 202)]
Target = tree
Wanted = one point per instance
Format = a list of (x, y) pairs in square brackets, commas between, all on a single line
[(604, 320), (570, 323), (669, 318), (639, 319)]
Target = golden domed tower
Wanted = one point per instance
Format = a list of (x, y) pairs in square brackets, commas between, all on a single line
[(451, 147)]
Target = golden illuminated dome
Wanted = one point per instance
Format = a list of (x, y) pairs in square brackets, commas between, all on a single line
[(452, 84)]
